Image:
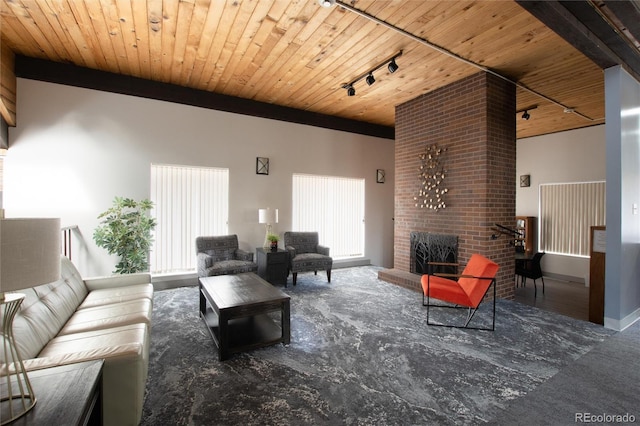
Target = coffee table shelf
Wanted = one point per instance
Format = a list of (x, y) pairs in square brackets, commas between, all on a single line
[(243, 312), (245, 333)]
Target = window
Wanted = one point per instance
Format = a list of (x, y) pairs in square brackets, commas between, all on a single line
[(188, 202), (334, 207), (567, 212)]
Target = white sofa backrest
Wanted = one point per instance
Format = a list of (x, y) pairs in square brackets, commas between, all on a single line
[(46, 309)]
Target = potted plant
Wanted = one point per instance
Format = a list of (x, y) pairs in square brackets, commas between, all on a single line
[(125, 230), (273, 238)]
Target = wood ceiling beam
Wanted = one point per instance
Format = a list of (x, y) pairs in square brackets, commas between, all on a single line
[(71, 75), (584, 28)]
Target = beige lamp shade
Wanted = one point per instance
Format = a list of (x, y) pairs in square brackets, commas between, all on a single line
[(268, 215), (29, 252)]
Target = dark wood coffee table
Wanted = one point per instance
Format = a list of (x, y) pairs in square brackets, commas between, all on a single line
[(243, 312)]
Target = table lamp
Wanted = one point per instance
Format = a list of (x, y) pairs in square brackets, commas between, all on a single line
[(29, 256), (267, 216)]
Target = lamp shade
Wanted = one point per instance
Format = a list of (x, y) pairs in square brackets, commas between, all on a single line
[(29, 252), (268, 215)]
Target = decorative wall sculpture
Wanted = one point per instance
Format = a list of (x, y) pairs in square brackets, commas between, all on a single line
[(432, 174)]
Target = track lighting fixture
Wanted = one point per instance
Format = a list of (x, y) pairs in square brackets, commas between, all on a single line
[(525, 112), (368, 76), (393, 67), (370, 79)]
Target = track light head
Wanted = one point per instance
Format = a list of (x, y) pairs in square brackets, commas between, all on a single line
[(393, 67), (351, 91), (526, 115), (326, 3), (370, 79)]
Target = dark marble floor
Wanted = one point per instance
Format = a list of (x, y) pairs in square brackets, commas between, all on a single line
[(360, 354)]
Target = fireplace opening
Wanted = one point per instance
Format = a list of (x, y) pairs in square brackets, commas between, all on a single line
[(427, 247)]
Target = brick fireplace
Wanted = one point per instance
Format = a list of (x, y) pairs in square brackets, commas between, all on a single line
[(474, 119)]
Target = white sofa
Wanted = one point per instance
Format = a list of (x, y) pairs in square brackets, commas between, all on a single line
[(73, 320)]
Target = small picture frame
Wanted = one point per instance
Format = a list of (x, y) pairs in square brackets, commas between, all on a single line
[(262, 165), (525, 181), (380, 176)]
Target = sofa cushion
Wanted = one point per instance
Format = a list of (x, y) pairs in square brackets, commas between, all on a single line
[(232, 267), (311, 261), (109, 316), (108, 296)]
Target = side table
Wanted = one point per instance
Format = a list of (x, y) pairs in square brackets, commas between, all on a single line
[(67, 395), (272, 265)]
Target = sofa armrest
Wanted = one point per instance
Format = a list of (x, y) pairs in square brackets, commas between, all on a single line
[(244, 255), (97, 283), (323, 250)]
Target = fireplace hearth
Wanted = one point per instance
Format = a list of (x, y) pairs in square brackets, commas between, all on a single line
[(428, 247)]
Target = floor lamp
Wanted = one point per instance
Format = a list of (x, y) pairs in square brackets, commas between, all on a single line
[(29, 256), (267, 216)]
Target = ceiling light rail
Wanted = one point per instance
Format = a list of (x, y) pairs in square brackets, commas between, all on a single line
[(329, 3), (392, 67)]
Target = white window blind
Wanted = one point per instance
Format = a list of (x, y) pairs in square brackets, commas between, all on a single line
[(567, 212), (188, 202), (334, 207)]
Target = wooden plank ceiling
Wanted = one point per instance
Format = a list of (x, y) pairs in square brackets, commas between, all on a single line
[(298, 54)]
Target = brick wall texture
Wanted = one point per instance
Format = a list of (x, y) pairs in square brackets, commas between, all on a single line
[(474, 119)]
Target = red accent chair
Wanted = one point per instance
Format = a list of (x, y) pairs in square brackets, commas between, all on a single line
[(467, 292)]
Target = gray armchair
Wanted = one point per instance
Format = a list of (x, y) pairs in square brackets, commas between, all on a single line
[(220, 255), (305, 254)]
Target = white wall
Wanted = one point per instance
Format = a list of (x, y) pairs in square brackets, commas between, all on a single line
[(571, 156), (74, 149)]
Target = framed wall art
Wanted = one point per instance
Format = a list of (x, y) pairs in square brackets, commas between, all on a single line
[(262, 165)]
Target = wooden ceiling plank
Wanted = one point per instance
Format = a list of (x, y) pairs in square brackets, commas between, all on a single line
[(275, 62), (210, 71), (17, 38), (183, 18), (154, 23), (202, 60), (269, 59), (141, 34), (84, 45), (36, 23), (196, 30), (57, 17), (326, 78), (234, 43), (126, 28), (169, 28), (94, 26), (8, 84), (235, 75), (260, 46), (114, 34)]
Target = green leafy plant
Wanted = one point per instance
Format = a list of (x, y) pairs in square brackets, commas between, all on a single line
[(273, 238), (125, 230)]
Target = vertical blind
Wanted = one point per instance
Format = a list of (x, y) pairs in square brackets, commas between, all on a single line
[(188, 202), (334, 207), (567, 212)]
